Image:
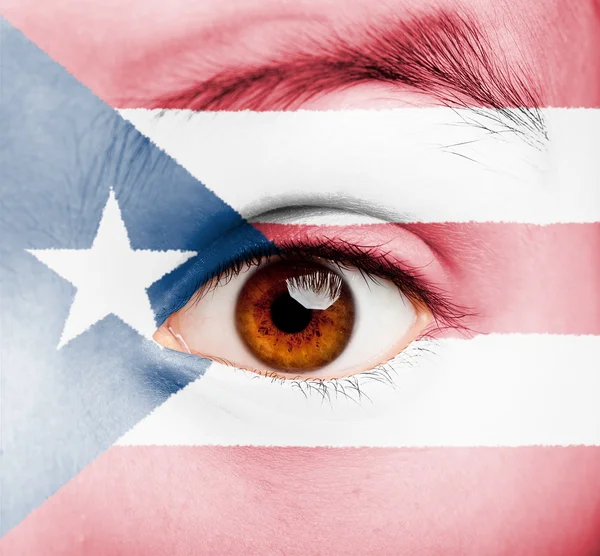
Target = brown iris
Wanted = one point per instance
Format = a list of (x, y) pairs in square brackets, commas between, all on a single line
[(277, 318)]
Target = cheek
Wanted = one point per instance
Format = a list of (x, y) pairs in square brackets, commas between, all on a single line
[(243, 500)]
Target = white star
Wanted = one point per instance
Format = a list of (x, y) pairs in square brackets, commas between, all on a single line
[(110, 277)]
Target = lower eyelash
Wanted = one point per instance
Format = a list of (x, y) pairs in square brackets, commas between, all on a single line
[(355, 388)]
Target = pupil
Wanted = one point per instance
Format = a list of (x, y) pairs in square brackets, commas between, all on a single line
[(288, 315)]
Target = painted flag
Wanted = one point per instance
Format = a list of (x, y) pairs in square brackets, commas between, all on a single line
[(79, 184), (481, 437)]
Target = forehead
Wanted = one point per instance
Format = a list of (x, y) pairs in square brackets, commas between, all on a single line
[(126, 44)]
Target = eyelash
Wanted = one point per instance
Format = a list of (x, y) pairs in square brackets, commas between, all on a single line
[(350, 388), (375, 264)]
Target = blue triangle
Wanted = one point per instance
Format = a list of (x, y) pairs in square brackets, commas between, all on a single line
[(62, 149)]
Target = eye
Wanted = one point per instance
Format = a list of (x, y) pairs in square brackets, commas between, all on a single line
[(297, 315)]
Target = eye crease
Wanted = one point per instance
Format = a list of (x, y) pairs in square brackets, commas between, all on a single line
[(320, 308)]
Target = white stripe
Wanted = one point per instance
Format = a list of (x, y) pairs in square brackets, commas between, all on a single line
[(424, 164), (496, 390)]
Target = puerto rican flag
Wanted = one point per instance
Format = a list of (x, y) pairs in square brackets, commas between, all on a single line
[(120, 197)]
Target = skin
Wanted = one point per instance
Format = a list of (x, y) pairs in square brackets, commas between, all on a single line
[(125, 52), (124, 49)]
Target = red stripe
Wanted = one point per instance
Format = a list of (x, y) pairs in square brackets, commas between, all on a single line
[(140, 50), (214, 500), (518, 278)]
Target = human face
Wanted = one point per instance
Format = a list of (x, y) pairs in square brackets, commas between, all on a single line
[(489, 445)]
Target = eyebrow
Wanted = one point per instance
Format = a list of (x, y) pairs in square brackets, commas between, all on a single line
[(443, 55)]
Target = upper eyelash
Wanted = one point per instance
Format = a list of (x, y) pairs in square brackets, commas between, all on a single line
[(371, 261)]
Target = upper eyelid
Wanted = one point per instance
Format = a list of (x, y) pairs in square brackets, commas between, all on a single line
[(290, 250), (325, 209), (411, 282)]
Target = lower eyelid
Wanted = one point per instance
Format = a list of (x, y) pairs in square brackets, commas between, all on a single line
[(357, 388), (240, 402)]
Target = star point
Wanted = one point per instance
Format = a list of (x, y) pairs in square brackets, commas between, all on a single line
[(110, 276)]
